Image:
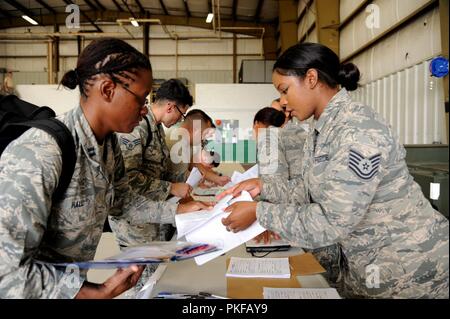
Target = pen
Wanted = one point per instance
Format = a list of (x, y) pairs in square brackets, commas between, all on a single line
[(207, 294)]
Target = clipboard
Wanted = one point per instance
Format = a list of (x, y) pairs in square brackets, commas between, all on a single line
[(252, 288)]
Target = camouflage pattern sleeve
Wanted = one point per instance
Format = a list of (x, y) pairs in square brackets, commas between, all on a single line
[(29, 172), (132, 146), (138, 209), (274, 166), (340, 200)]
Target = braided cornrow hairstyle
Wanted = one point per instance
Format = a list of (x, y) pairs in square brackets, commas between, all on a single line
[(110, 56)]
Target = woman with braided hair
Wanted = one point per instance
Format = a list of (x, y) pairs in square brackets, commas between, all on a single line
[(114, 80)]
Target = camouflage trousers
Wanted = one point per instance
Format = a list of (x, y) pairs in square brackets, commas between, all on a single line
[(333, 260)]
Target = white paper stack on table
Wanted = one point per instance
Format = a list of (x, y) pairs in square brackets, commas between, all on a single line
[(206, 227), (300, 293), (259, 268)]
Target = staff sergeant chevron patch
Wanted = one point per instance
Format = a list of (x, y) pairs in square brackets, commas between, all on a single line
[(365, 168)]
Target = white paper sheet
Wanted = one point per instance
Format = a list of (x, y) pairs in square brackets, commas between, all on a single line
[(300, 293), (188, 222), (259, 268), (213, 231), (194, 178)]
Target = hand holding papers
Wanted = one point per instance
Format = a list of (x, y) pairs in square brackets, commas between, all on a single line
[(262, 268), (194, 178), (208, 228)]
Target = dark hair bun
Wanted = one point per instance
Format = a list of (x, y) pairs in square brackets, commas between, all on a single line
[(349, 76), (70, 79)]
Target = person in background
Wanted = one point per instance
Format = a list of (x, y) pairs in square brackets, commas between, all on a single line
[(359, 193), (8, 83), (185, 145), (146, 158), (113, 79)]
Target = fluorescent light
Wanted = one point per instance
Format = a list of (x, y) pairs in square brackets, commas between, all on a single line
[(209, 18), (29, 19), (134, 23)]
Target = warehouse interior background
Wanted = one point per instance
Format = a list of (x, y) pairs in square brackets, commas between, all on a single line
[(391, 41)]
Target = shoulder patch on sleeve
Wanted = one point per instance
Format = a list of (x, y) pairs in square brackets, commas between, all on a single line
[(364, 167)]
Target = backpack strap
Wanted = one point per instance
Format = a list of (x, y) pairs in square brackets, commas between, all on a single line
[(150, 133), (149, 136), (65, 141)]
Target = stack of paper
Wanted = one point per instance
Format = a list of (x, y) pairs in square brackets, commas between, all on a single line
[(207, 227), (237, 177), (300, 293), (259, 267)]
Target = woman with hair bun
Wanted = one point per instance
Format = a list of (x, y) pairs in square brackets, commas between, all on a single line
[(359, 193), (267, 117), (36, 230)]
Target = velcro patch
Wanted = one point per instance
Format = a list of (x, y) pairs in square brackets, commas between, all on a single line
[(364, 167)]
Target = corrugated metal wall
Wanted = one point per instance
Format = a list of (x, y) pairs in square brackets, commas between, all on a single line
[(411, 102), (199, 60)]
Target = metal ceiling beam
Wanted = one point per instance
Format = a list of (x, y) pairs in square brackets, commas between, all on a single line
[(163, 6), (86, 17), (141, 8), (233, 10), (99, 5), (46, 6), (129, 9), (117, 5), (5, 14), (90, 5), (20, 7), (112, 16), (186, 8), (209, 6), (258, 10)]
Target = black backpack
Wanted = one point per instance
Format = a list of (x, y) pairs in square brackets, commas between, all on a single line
[(17, 116)]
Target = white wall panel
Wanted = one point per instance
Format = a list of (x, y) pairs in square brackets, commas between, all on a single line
[(206, 47), (306, 22), (416, 42), (347, 7), (391, 12), (248, 46), (234, 101), (161, 46), (200, 63), (411, 101), (312, 37)]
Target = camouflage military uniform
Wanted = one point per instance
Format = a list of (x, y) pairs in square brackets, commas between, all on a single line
[(393, 244), (280, 170), (149, 175), (280, 163), (33, 228)]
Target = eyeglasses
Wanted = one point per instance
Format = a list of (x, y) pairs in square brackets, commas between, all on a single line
[(182, 114), (138, 98)]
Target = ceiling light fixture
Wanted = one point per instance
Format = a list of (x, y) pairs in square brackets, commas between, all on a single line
[(25, 17), (209, 18), (134, 23)]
